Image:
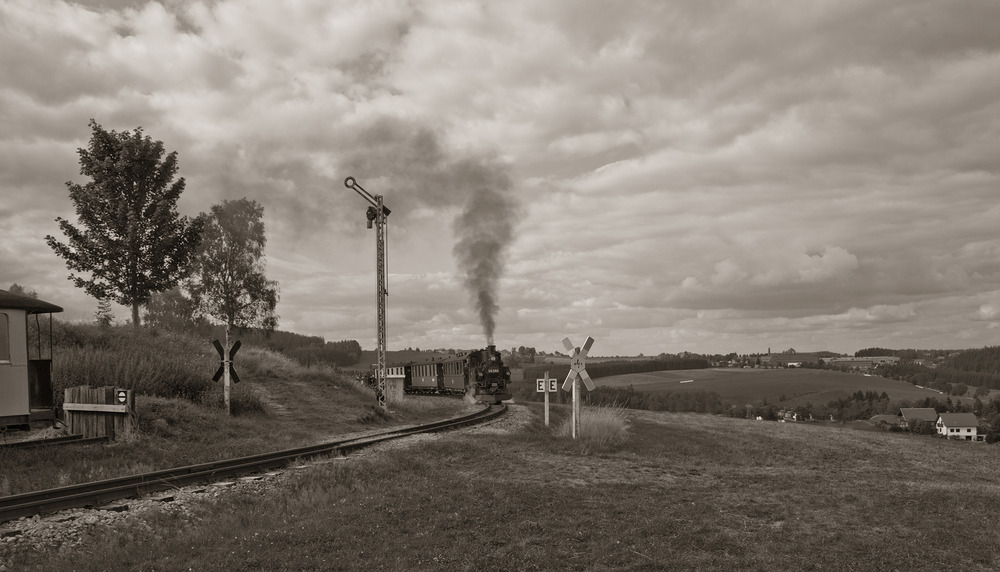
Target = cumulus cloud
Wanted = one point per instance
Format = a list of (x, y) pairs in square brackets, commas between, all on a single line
[(989, 312), (702, 176)]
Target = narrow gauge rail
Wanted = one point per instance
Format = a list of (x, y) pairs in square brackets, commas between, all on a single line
[(68, 439), (100, 492)]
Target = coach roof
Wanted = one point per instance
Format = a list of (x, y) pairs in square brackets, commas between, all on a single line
[(12, 301)]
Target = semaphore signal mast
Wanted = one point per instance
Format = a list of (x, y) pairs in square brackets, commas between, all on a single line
[(377, 214)]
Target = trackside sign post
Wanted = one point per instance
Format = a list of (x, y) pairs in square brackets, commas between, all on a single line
[(577, 371), (226, 370), (546, 385)]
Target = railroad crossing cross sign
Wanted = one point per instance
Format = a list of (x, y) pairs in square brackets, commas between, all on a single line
[(578, 364), (226, 361)]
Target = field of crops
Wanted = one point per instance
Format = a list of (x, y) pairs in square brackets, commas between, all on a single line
[(789, 386)]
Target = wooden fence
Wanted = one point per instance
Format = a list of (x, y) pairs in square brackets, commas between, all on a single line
[(99, 411)]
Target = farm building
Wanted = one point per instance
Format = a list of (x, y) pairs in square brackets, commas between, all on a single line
[(888, 420), (961, 426), (792, 358), (910, 415), (25, 368), (862, 364)]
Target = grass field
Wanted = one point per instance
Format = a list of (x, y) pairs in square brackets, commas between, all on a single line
[(798, 386), (683, 492), (287, 405)]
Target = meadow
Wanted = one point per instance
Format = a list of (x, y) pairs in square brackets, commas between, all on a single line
[(787, 387), (681, 492), (640, 490), (180, 414)]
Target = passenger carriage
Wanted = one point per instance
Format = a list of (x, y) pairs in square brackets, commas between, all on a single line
[(25, 365)]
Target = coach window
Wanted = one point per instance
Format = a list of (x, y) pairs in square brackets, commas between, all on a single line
[(4, 339)]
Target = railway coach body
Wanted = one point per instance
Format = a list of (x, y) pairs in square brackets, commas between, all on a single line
[(479, 373), (423, 377), (454, 378), (25, 370)]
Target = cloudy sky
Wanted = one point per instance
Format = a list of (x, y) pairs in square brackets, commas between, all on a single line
[(684, 176)]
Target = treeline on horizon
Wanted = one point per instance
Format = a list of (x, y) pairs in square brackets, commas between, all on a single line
[(618, 367), (858, 406), (307, 350), (983, 374), (969, 368)]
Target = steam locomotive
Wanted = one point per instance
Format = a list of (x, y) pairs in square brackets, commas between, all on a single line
[(480, 374)]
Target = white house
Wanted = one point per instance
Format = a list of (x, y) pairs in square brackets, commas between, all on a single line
[(961, 426)]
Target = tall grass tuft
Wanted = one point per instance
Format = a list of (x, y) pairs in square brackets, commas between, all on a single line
[(373, 415), (147, 361), (602, 429), (263, 362), (244, 401)]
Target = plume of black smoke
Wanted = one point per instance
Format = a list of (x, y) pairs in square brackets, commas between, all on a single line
[(417, 170), (483, 232)]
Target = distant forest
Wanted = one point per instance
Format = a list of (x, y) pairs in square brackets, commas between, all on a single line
[(618, 367), (969, 368), (307, 350)]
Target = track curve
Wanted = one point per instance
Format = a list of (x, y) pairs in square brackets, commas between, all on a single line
[(100, 492)]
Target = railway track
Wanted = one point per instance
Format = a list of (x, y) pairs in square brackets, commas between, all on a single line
[(67, 440), (100, 492)]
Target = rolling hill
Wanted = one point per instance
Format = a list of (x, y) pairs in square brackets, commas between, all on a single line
[(797, 386)]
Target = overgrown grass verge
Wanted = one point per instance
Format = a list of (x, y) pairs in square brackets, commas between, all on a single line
[(146, 361), (685, 492), (180, 413), (162, 363), (602, 429)]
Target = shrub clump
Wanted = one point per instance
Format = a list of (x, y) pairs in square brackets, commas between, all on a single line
[(373, 415), (147, 361), (602, 429), (244, 401)]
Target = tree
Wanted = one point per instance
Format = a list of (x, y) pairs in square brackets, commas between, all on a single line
[(228, 281), (131, 241), (16, 288), (104, 317), (172, 310)]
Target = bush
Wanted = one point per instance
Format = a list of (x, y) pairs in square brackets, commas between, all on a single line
[(243, 400), (262, 362), (166, 417), (923, 428), (373, 415), (146, 361), (602, 429)]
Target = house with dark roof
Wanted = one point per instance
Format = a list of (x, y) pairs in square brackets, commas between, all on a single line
[(792, 358), (908, 416), (961, 426), (862, 364), (884, 419)]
